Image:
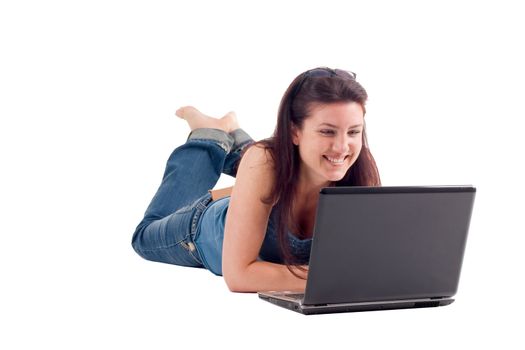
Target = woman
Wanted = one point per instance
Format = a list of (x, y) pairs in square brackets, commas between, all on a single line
[(259, 237)]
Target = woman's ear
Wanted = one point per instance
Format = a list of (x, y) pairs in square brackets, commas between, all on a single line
[(295, 135)]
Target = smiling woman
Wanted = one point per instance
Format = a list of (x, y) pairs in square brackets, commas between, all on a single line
[(259, 238), (319, 141)]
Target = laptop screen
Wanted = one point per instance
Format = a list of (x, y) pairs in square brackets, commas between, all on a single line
[(388, 243)]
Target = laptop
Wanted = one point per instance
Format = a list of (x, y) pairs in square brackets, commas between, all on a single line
[(380, 248)]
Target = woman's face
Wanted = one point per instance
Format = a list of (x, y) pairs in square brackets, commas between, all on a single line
[(329, 141)]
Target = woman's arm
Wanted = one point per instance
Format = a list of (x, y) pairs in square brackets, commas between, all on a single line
[(246, 224), (266, 276)]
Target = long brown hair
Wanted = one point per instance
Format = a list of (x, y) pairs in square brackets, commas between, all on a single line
[(317, 86)]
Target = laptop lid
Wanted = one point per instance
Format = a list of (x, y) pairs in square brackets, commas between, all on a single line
[(388, 243)]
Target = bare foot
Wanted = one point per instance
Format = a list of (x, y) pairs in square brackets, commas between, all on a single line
[(230, 121), (196, 119)]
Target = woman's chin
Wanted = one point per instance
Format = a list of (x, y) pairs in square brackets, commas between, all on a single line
[(336, 176)]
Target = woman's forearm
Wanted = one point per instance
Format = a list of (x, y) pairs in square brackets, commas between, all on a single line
[(266, 276)]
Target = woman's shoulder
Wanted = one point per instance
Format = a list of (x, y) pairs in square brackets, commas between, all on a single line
[(256, 171), (258, 155)]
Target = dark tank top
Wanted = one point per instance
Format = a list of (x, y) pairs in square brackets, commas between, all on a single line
[(270, 251)]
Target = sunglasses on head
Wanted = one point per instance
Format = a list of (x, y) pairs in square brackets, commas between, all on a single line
[(323, 72)]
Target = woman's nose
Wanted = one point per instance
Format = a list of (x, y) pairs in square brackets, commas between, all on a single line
[(341, 144)]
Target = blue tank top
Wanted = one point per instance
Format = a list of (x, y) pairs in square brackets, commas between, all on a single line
[(210, 234)]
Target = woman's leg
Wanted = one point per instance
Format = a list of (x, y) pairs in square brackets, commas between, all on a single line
[(165, 233), (241, 140), (191, 170), (194, 167)]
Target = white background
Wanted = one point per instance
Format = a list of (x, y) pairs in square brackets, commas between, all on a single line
[(87, 96)]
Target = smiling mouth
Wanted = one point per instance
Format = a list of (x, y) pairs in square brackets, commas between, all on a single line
[(336, 161)]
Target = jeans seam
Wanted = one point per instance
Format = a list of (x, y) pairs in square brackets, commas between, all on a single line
[(173, 245), (200, 207), (199, 210), (169, 246)]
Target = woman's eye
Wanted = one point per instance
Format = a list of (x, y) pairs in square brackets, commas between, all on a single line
[(354, 132), (327, 132)]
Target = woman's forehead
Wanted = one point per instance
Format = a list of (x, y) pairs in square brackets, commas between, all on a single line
[(339, 114)]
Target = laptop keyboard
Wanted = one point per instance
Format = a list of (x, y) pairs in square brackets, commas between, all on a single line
[(297, 296)]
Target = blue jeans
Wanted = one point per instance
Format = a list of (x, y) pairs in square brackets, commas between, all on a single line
[(167, 231)]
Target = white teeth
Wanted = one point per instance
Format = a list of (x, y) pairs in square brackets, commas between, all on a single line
[(334, 160)]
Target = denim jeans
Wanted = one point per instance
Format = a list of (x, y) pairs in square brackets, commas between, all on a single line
[(168, 231)]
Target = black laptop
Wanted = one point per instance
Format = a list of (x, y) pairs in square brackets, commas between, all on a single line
[(377, 248)]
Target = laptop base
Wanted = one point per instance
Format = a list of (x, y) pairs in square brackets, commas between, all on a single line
[(354, 307)]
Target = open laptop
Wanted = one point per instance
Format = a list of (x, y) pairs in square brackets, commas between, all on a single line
[(377, 248)]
